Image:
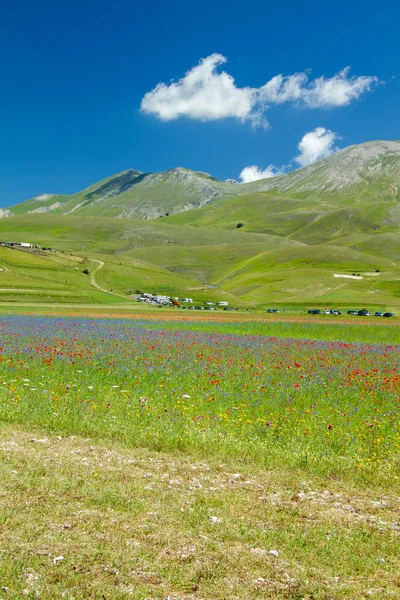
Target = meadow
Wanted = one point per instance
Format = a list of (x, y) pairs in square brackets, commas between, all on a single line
[(329, 406), (161, 455)]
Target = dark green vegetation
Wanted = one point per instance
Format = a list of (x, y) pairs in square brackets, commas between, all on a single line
[(325, 235)]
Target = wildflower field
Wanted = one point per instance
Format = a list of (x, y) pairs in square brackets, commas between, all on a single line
[(331, 407)]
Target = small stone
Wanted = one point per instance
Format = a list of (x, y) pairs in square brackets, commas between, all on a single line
[(57, 560), (274, 552), (215, 520)]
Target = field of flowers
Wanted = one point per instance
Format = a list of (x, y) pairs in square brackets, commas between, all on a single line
[(329, 406)]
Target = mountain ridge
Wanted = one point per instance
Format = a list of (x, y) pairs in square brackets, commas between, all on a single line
[(371, 169)]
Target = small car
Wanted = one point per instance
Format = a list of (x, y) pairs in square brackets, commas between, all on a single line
[(378, 314), (388, 314), (364, 313), (272, 310)]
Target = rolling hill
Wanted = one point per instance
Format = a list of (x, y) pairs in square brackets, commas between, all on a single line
[(325, 234), (369, 171), (132, 194)]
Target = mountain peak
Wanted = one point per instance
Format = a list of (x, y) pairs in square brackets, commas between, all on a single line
[(368, 170)]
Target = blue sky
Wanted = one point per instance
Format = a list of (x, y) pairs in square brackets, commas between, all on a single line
[(74, 76)]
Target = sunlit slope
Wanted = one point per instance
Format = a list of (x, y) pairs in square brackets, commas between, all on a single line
[(354, 175), (364, 171), (59, 277), (102, 234), (256, 212), (310, 221), (242, 267), (49, 277), (316, 274), (191, 251), (132, 194)]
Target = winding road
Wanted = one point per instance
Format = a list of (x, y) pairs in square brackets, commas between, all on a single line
[(100, 265)]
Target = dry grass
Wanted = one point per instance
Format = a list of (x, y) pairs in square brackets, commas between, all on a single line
[(83, 519)]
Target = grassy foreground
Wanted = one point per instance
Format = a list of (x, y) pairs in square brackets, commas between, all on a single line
[(159, 457), (82, 519)]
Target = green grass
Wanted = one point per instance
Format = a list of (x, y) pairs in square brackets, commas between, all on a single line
[(90, 519), (246, 268), (164, 456)]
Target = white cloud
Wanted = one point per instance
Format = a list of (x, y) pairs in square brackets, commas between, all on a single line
[(202, 94), (208, 93), (315, 145), (282, 89), (254, 173), (339, 90)]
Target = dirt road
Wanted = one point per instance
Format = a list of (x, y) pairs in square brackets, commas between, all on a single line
[(100, 265)]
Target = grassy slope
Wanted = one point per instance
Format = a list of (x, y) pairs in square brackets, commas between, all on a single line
[(137, 524), (309, 220), (134, 194), (251, 266)]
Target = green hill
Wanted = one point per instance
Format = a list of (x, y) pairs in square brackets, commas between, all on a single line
[(369, 171), (327, 234), (132, 194)]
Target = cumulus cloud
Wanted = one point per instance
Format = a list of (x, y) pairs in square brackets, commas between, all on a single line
[(203, 93), (282, 89), (208, 93), (254, 173), (339, 90), (315, 145)]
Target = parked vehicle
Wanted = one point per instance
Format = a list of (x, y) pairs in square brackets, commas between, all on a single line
[(364, 313), (378, 314), (272, 310), (352, 312), (314, 311), (388, 314)]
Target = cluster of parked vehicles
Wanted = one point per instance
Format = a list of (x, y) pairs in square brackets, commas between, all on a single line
[(366, 313), (360, 313), (317, 311)]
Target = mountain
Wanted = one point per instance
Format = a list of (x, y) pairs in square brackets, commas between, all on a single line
[(327, 234), (132, 194), (371, 169), (351, 193), (364, 171)]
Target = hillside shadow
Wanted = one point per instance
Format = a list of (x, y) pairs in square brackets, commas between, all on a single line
[(117, 185)]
